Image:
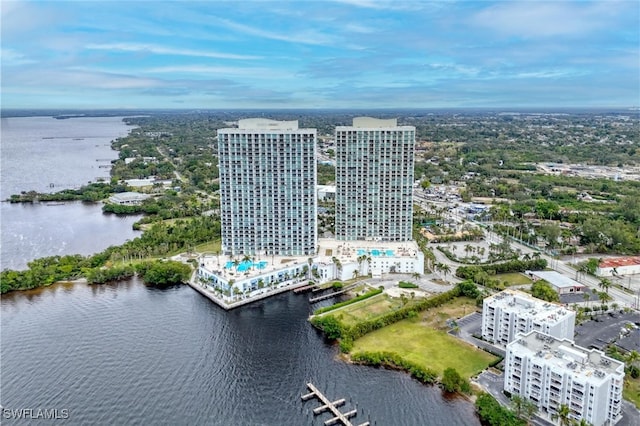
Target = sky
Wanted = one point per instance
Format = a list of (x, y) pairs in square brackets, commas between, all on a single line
[(319, 54)]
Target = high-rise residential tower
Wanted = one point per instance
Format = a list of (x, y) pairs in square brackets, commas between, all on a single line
[(268, 188), (374, 180)]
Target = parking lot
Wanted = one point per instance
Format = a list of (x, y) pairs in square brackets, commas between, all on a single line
[(606, 329)]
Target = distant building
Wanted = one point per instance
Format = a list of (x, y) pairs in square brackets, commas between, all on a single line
[(128, 198), (374, 180), (510, 312), (268, 188), (619, 266), (560, 283), (326, 192), (552, 372)]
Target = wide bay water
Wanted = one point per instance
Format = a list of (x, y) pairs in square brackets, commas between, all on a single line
[(128, 354), (37, 152)]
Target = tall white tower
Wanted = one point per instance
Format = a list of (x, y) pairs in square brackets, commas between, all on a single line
[(374, 180), (267, 188)]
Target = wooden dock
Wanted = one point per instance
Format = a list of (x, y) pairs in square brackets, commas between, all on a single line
[(334, 294), (306, 288), (338, 416)]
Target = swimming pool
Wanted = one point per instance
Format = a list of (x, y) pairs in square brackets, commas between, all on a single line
[(376, 252), (246, 265)]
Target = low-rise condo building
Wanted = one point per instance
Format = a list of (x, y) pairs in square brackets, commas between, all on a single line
[(510, 312), (553, 372)]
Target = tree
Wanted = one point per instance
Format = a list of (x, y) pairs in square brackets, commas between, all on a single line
[(632, 357), (445, 269), (604, 284), (451, 380), (604, 297), (543, 290), (586, 297), (562, 415)]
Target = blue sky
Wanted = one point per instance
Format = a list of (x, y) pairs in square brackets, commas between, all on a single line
[(320, 54)]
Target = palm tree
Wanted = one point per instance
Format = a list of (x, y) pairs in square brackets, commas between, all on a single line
[(604, 297), (445, 270), (586, 297), (632, 357), (562, 415), (605, 284)]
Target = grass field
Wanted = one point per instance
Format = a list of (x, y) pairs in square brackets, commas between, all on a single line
[(428, 347), (631, 391), (514, 278), (367, 309), (423, 339), (211, 247)]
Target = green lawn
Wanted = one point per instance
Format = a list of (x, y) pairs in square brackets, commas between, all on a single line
[(514, 278), (210, 247), (631, 391), (426, 346), (366, 309)]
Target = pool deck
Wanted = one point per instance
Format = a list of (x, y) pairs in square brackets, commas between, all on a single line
[(265, 293), (349, 251)]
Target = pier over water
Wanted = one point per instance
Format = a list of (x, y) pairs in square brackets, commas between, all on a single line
[(342, 418)]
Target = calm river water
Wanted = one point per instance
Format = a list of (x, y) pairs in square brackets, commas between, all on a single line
[(38, 152), (129, 354)]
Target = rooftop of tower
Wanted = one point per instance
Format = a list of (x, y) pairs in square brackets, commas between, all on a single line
[(267, 124), (370, 123)]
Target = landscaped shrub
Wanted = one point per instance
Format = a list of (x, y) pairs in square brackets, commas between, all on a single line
[(329, 325), (406, 284), (395, 361), (492, 413), (469, 272)]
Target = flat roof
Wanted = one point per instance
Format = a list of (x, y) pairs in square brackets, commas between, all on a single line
[(129, 196), (556, 279), (528, 306), (589, 364), (616, 262), (349, 251)]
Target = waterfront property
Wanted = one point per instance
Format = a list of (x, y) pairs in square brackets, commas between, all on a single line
[(128, 198), (552, 372), (344, 260), (268, 188), (374, 180), (231, 279), (510, 312)]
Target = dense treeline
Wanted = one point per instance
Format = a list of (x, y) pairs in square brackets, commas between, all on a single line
[(91, 193), (104, 275), (469, 272), (395, 361), (493, 414), (45, 271), (163, 273), (160, 240)]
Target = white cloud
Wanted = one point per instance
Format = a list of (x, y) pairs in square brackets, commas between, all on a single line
[(162, 50), (9, 57), (307, 37), (258, 72), (545, 19)]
